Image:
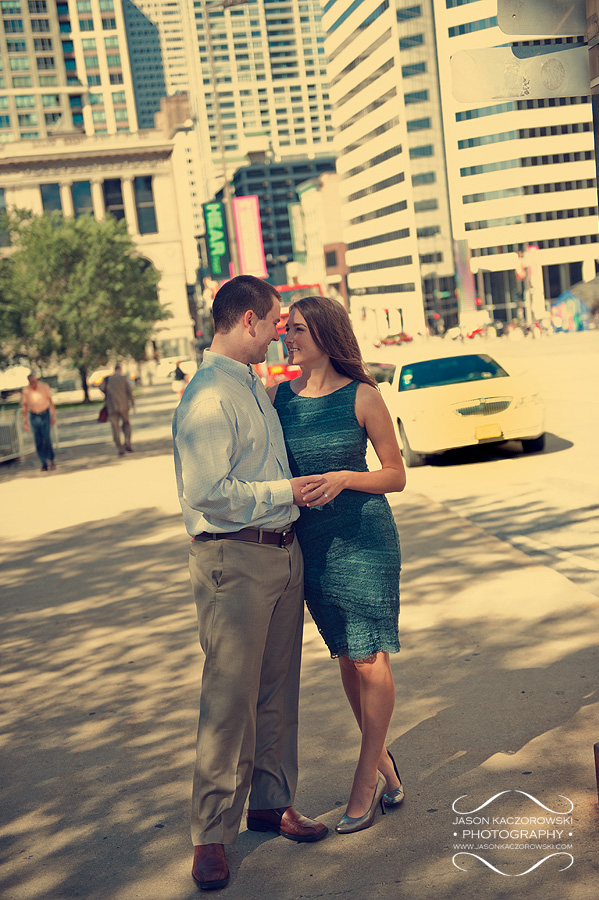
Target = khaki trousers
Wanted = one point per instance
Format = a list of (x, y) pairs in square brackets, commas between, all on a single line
[(115, 418), (249, 600)]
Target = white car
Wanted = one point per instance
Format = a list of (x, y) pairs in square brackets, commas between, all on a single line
[(441, 402)]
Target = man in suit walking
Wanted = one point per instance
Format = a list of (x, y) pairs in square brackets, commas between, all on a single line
[(119, 400)]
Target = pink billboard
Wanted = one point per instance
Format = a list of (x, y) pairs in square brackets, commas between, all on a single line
[(246, 215)]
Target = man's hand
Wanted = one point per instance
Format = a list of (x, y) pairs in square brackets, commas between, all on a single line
[(301, 482), (25, 425)]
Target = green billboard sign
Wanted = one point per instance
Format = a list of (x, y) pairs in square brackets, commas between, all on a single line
[(217, 240)]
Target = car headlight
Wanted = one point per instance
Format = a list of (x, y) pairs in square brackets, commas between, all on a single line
[(528, 400)]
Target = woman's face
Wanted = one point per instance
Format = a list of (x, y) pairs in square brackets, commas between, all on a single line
[(299, 342)]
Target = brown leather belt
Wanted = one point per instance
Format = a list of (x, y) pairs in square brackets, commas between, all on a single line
[(253, 535)]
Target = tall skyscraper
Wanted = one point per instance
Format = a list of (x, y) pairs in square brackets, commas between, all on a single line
[(390, 156), (268, 63), (521, 172), (255, 72), (65, 67)]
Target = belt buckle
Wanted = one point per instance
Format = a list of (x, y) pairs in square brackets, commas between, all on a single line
[(283, 536)]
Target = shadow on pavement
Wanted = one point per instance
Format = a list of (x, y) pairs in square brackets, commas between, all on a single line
[(489, 452), (101, 669)]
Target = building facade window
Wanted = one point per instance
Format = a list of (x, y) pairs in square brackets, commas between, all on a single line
[(408, 12), (13, 26), (470, 27), (415, 97), (410, 41), (413, 69), (81, 192), (144, 204), (419, 124), (4, 235), (113, 197), (419, 152), (50, 194)]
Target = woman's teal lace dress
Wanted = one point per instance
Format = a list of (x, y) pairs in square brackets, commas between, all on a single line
[(350, 546)]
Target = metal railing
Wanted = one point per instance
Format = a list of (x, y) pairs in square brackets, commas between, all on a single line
[(15, 442)]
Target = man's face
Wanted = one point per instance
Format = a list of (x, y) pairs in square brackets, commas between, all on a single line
[(265, 331), (32, 381)]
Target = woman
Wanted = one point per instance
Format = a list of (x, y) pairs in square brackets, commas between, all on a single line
[(346, 530)]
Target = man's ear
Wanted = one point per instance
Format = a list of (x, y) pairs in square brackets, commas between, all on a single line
[(249, 319)]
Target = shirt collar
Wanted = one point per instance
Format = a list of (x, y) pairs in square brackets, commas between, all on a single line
[(233, 367)]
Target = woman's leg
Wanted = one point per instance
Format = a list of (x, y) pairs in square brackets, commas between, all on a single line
[(370, 690)]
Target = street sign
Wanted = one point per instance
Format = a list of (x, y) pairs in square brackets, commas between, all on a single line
[(559, 17), (495, 73), (216, 239)]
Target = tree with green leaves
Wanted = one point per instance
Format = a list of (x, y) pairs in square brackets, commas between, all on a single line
[(75, 289)]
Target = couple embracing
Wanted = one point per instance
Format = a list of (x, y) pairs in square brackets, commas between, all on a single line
[(278, 499)]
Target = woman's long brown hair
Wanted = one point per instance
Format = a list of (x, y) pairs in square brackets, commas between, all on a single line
[(332, 332)]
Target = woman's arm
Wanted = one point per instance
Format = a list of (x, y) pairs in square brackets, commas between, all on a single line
[(272, 393), (373, 415)]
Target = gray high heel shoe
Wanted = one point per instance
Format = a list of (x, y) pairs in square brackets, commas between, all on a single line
[(395, 797), (348, 825)]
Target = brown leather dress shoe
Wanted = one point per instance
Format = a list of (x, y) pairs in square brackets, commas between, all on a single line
[(210, 870), (287, 822)]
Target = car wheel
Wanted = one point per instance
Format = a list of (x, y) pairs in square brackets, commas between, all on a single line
[(411, 458), (534, 445)]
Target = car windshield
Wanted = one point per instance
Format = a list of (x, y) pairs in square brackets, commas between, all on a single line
[(381, 371), (449, 370)]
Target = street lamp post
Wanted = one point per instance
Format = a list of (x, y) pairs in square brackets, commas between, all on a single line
[(227, 195)]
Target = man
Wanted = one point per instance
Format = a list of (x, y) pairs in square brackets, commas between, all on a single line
[(239, 503), (119, 399), (37, 401)]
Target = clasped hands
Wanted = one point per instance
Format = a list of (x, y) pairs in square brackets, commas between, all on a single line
[(317, 490)]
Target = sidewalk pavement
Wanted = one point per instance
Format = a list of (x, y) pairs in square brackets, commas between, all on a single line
[(100, 668)]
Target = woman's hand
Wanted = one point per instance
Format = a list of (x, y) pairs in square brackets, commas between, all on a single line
[(321, 493)]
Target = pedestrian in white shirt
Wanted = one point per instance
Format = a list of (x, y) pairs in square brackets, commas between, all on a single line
[(239, 504)]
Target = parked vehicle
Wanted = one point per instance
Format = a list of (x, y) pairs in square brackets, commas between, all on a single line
[(394, 339), (459, 400)]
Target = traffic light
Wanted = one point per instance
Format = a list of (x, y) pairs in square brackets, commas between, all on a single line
[(479, 302)]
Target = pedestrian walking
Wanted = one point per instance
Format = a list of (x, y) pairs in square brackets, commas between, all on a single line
[(181, 379), (119, 400), (239, 503), (38, 409), (346, 530)]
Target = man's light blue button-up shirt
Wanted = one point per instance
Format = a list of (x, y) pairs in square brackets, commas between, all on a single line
[(230, 457)]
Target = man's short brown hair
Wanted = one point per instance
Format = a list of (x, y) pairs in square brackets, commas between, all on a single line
[(238, 295)]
